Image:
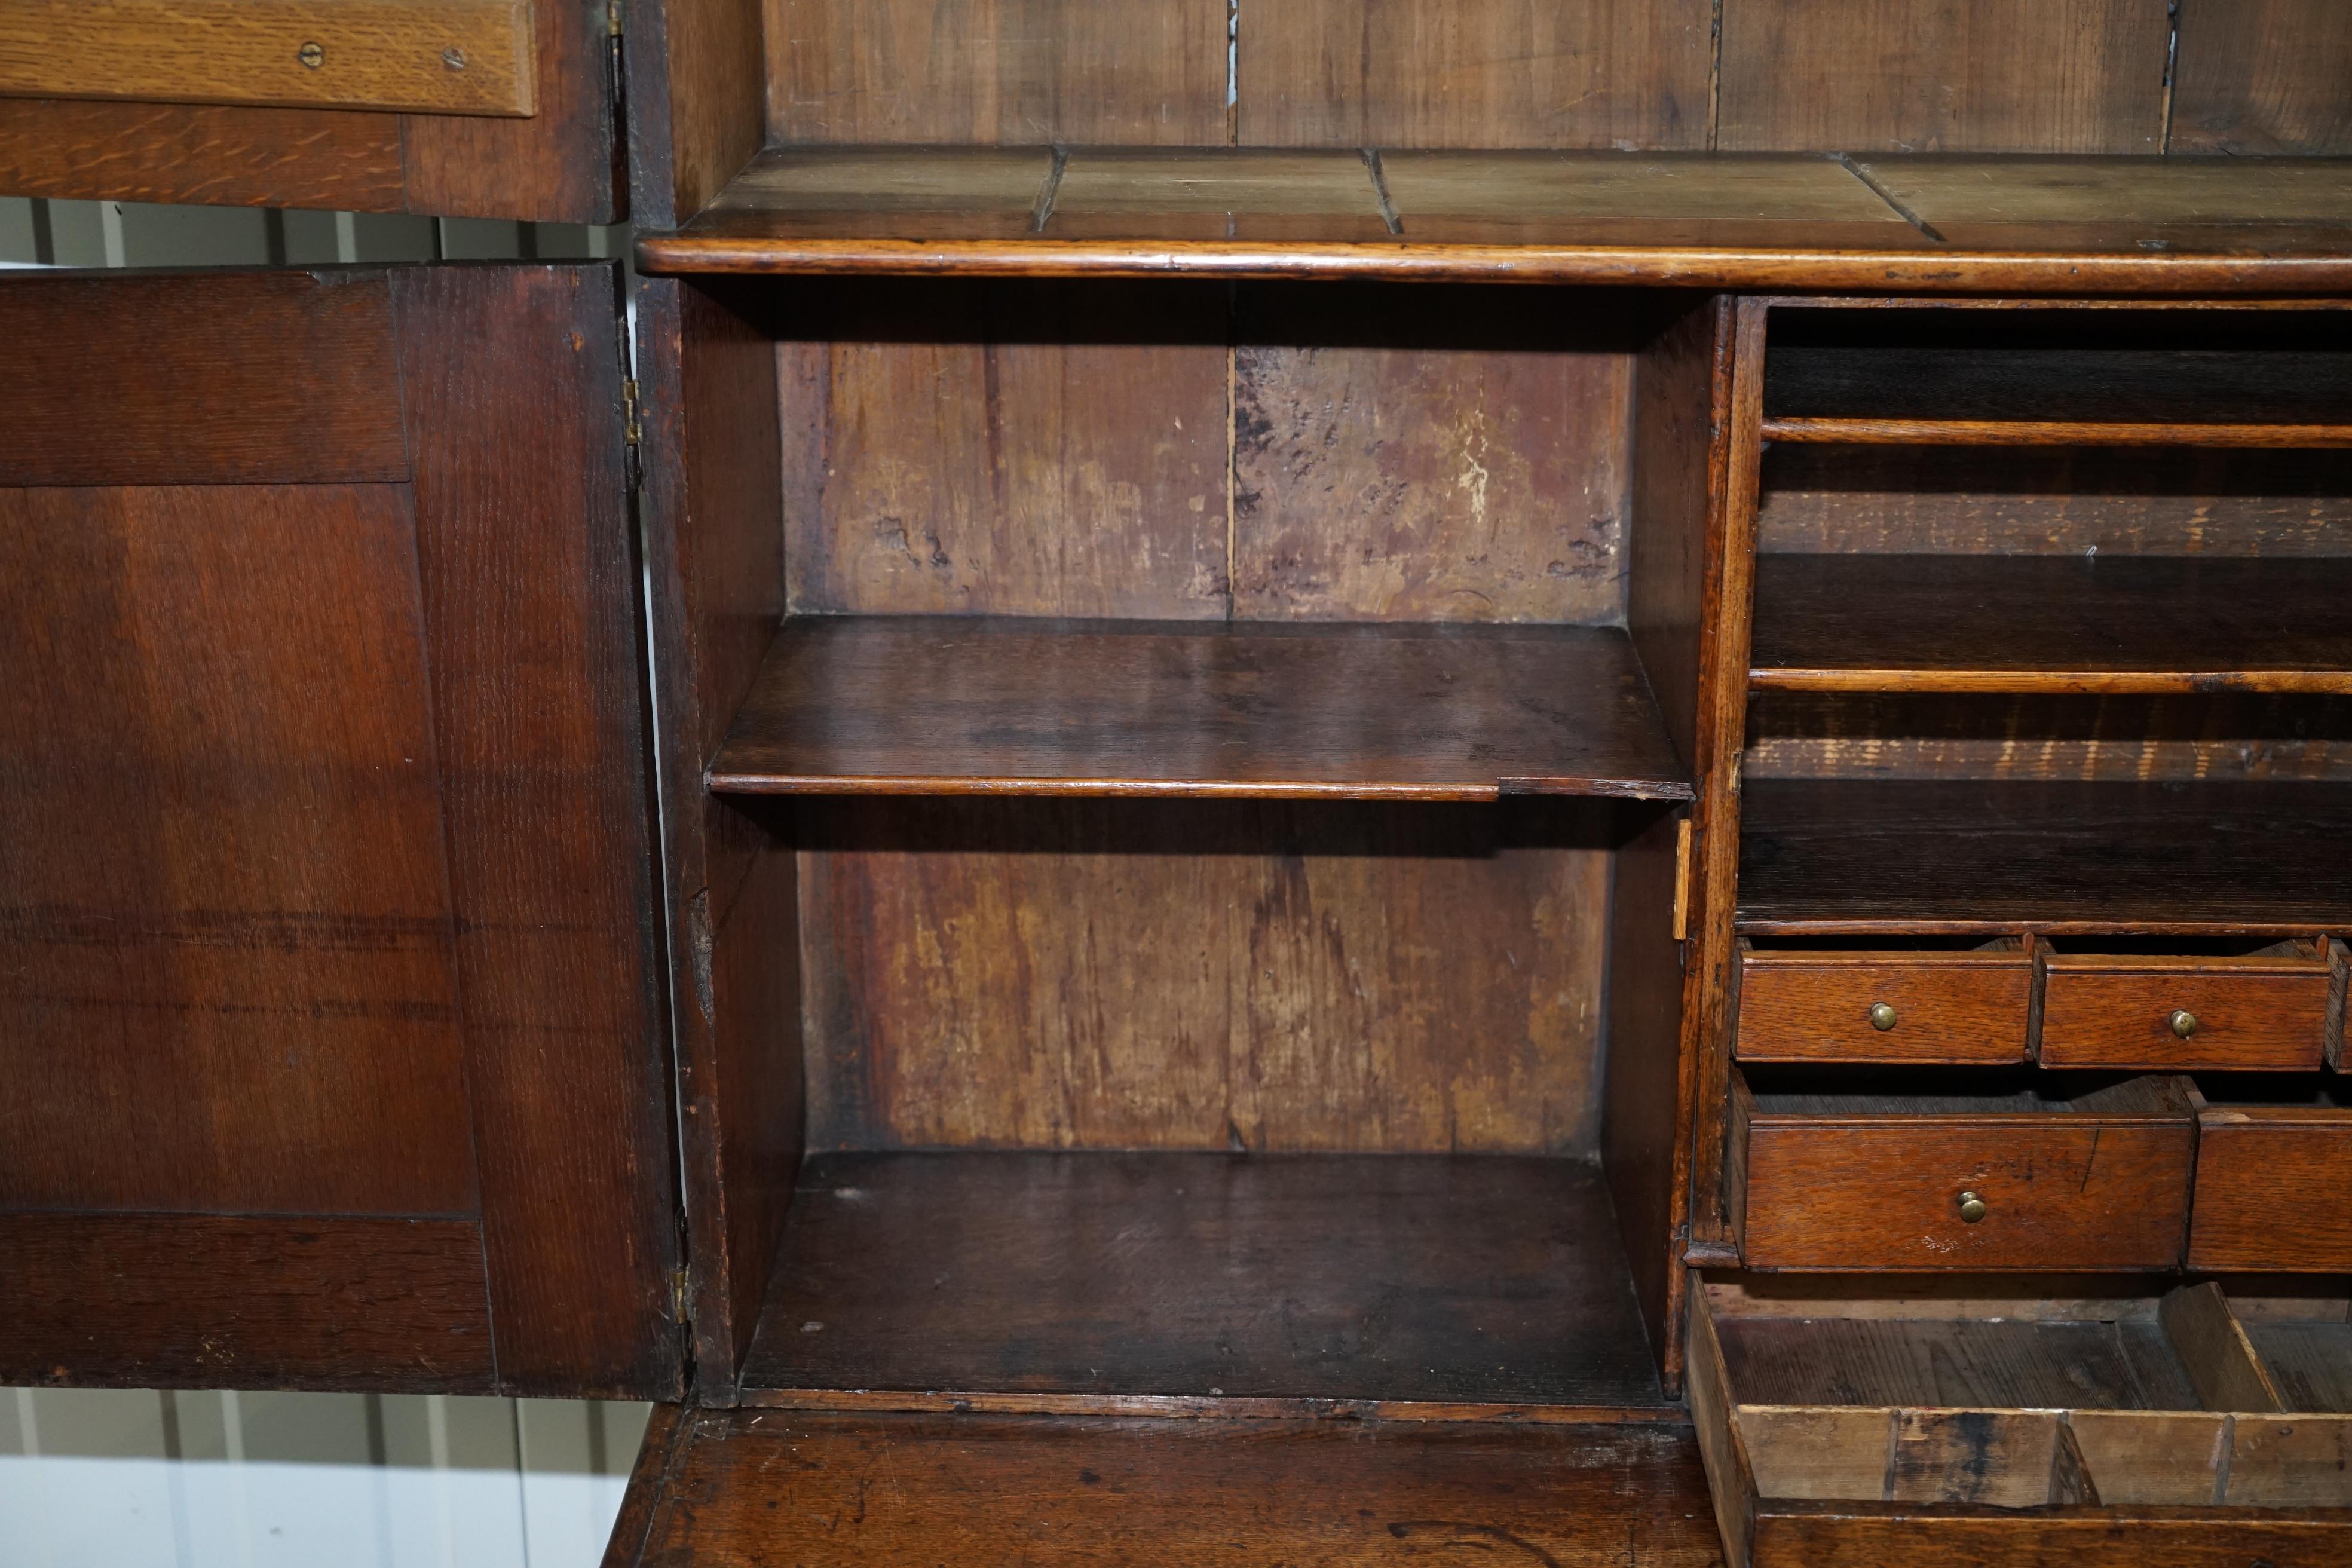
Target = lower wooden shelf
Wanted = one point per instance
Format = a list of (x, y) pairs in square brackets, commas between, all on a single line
[(721, 1489), (1479, 1286), (2009, 855)]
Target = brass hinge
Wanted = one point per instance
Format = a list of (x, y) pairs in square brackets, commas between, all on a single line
[(612, 17), (631, 428), (677, 1296)]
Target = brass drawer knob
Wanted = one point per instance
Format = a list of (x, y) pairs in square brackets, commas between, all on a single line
[(1882, 1016), (2184, 1022), (1972, 1208)]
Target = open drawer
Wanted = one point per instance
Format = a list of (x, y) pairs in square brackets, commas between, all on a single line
[(2271, 1147), (1956, 1424), (1910, 1181)]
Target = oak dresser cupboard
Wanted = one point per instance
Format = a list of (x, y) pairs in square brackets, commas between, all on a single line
[(1334, 780)]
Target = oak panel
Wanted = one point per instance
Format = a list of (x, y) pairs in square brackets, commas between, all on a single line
[(1201, 975), (1925, 76), (262, 377), (158, 1300), (442, 57), (1400, 455), (1184, 1493), (2251, 1015), (1422, 1280), (2258, 1163), (565, 164), (530, 593), (1948, 1006), (2263, 76), (230, 977), (1017, 71), (1474, 73), (1006, 449), (889, 705), (79, 149)]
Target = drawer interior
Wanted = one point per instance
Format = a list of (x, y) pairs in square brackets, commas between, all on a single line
[(1928, 1397)]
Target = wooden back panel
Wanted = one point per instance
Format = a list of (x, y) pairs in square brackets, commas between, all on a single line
[(327, 991)]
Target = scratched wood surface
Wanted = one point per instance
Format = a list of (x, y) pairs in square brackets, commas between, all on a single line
[(833, 1490), (1201, 975), (1408, 455)]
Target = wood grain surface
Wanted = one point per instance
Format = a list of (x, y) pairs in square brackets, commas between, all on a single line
[(1803, 1006), (1454, 455), (2254, 1165), (1474, 73), (1015, 72), (2262, 76), (1878, 1187), (751, 1485), (2047, 622), (1792, 1533), (1425, 1279), (941, 706), (436, 57), (239, 1302), (2253, 1014), (525, 555), (1283, 977), (1921, 75), (2003, 856)]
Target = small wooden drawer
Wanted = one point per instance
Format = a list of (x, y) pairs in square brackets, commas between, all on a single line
[(1981, 1182), (2271, 1011), (1935, 1424), (1804, 1005), (2272, 1187)]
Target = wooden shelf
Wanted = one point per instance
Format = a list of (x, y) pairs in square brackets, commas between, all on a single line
[(1127, 1283), (2048, 433), (2069, 225), (938, 705), (2051, 622), (1995, 856)]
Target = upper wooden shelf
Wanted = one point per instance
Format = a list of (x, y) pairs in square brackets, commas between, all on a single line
[(2050, 225), (941, 705), (2051, 622)]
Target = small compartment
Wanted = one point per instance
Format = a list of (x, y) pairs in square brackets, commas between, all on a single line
[(1927, 1000), (2041, 375), (2175, 1004), (1921, 1170), (1982, 1424), (2274, 1164)]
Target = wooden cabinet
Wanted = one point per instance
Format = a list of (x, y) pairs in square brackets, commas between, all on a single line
[(334, 1042), (1112, 832)]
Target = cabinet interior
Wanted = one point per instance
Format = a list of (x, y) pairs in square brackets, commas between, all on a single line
[(1200, 837)]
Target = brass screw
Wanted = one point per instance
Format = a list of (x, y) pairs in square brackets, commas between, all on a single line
[(1882, 1016), (454, 57), (1972, 1208), (311, 55), (2184, 1022)]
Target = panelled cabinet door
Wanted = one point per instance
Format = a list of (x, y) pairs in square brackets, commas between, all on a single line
[(505, 108), (333, 1038)]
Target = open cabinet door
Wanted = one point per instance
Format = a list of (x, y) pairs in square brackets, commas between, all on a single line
[(332, 1033), (503, 108)]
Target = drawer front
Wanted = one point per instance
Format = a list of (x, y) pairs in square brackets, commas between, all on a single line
[(2271, 1191), (2243, 1014), (1943, 1008), (2059, 1193)]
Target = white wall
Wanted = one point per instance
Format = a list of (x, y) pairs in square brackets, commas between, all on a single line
[(139, 1479)]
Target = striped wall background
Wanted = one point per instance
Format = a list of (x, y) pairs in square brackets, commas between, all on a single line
[(141, 1479)]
